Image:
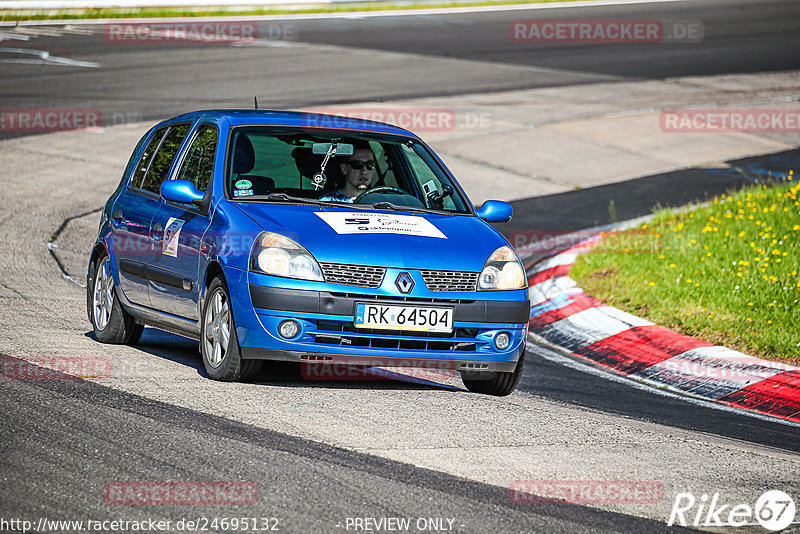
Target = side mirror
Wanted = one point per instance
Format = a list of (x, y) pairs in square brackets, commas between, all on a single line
[(181, 191), (495, 211)]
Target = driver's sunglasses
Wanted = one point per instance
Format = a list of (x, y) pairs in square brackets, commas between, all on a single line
[(358, 164)]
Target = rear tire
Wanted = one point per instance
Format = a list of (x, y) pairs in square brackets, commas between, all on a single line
[(110, 321), (495, 383), (219, 344)]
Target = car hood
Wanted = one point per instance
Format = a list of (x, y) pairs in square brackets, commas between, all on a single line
[(383, 238)]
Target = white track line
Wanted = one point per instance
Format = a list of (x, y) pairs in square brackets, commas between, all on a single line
[(43, 58)]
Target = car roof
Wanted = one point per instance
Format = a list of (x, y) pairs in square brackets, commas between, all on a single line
[(308, 119)]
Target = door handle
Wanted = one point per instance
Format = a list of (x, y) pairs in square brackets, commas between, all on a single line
[(158, 231), (116, 218)]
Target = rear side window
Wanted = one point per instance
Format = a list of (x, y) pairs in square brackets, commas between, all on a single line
[(198, 165), (132, 159), (147, 156), (162, 160)]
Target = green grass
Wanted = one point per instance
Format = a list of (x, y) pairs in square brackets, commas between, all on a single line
[(109, 13), (726, 272)]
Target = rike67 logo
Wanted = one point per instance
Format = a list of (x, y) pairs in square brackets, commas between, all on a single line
[(774, 510)]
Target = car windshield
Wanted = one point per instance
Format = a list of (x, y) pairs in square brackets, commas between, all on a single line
[(341, 167)]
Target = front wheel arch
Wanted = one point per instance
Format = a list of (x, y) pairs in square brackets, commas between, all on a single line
[(213, 270), (232, 367)]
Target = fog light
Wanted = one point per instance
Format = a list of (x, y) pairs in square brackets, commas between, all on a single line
[(502, 340), (289, 329)]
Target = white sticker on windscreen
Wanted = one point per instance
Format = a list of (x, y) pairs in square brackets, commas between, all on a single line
[(379, 223)]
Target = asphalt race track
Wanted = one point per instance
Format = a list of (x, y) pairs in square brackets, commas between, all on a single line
[(431, 55), (323, 453)]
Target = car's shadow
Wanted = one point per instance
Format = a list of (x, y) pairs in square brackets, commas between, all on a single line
[(185, 351)]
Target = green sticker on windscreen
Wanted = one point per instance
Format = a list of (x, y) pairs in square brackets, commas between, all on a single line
[(244, 184)]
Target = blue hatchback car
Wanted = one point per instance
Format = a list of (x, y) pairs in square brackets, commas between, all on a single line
[(308, 238)]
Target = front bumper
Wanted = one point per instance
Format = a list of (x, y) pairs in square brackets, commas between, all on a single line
[(327, 334)]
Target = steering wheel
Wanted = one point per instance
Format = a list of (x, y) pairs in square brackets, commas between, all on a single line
[(382, 189)]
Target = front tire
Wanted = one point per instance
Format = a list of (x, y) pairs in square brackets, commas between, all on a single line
[(110, 321), (495, 383), (219, 344)]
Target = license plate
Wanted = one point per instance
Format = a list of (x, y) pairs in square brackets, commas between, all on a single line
[(411, 318)]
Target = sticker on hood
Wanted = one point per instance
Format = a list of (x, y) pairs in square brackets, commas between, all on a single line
[(379, 223)]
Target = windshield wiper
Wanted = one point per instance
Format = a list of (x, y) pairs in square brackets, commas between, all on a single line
[(282, 197), (384, 205)]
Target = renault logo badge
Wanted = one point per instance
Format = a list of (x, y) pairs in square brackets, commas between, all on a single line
[(404, 283)]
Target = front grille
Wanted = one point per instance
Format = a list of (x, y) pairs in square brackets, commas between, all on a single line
[(344, 334), (353, 275), (402, 300), (440, 281)]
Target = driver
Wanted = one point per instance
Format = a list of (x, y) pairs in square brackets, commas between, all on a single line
[(358, 171)]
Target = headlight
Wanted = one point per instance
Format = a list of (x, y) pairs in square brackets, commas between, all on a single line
[(280, 256), (503, 270)]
